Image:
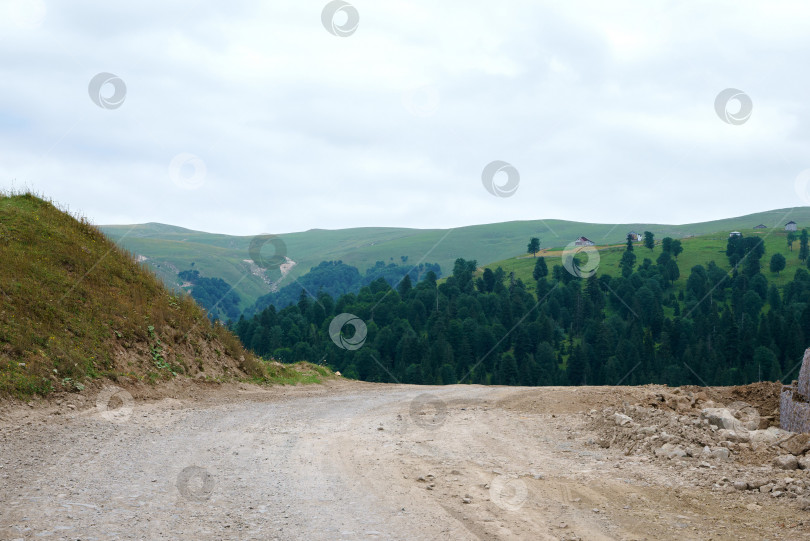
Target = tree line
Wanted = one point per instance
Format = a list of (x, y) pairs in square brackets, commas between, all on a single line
[(722, 328)]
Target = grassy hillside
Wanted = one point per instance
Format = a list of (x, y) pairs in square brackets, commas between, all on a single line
[(74, 308), (169, 248), (697, 250)]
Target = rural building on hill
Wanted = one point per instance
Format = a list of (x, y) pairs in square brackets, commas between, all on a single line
[(734, 234), (583, 241), (637, 237), (760, 226), (791, 226)]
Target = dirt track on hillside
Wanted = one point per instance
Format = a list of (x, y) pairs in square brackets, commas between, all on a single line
[(359, 461)]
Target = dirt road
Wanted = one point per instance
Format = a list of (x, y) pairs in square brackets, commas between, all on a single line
[(355, 461)]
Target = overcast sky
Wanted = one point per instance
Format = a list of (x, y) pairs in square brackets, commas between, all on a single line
[(248, 117)]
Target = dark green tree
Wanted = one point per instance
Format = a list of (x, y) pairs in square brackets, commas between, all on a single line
[(534, 246), (508, 373), (628, 260), (576, 367), (649, 240), (676, 249), (404, 286), (778, 263), (540, 269)]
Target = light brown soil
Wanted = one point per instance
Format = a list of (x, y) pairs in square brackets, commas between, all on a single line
[(349, 460)]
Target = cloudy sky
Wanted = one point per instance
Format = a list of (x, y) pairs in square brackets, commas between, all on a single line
[(247, 117)]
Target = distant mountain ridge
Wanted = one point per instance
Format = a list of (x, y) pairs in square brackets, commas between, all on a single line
[(170, 249)]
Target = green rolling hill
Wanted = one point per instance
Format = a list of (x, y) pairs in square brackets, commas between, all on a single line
[(169, 249), (698, 250)]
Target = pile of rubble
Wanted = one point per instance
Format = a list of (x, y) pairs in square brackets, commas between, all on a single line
[(694, 428), (753, 439), (736, 446)]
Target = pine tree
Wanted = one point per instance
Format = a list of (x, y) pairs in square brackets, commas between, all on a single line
[(540, 269), (649, 240), (534, 246), (576, 367)]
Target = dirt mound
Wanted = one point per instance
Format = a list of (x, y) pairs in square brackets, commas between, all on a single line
[(77, 312), (696, 422), (763, 395)]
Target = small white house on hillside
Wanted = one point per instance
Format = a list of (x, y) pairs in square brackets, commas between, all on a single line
[(584, 241)]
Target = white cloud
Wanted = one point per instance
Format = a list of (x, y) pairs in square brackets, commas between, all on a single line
[(606, 109)]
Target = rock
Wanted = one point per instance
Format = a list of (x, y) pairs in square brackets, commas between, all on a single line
[(741, 485), (804, 503), (670, 451), (621, 419), (466, 499), (740, 436), (719, 453), (797, 444), (804, 462), (786, 462), (683, 404), (756, 483), (721, 418), (766, 488), (768, 436)]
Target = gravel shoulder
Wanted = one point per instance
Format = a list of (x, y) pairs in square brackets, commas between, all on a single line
[(351, 460)]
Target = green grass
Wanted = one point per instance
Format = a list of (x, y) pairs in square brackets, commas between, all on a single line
[(75, 307), (169, 248), (302, 373), (696, 251)]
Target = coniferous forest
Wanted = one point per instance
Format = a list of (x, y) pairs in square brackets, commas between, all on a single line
[(723, 328)]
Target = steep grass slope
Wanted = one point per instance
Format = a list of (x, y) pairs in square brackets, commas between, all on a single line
[(169, 248), (75, 307)]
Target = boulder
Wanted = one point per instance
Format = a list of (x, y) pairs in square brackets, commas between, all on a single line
[(786, 462), (621, 419), (741, 485), (719, 453), (721, 418), (739, 436), (756, 483), (798, 444), (769, 436), (804, 462)]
